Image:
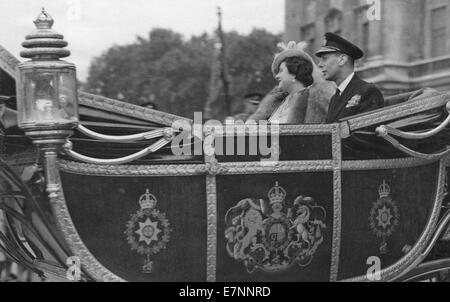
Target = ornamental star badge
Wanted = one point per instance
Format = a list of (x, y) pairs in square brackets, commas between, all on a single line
[(148, 231), (384, 217)]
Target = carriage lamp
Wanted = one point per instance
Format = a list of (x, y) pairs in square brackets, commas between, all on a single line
[(47, 87), (47, 94)]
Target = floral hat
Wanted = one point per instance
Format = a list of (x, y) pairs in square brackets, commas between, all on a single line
[(292, 49)]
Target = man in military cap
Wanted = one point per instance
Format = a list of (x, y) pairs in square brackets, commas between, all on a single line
[(353, 95), (251, 103)]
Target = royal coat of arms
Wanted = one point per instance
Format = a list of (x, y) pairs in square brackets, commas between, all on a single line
[(148, 231), (271, 237), (384, 216)]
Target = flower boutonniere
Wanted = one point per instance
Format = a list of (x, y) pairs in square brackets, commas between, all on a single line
[(354, 101)]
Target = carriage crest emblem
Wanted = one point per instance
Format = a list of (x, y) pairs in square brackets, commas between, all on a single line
[(148, 230), (384, 216), (268, 236)]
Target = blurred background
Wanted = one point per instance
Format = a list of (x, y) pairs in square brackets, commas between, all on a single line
[(183, 56)]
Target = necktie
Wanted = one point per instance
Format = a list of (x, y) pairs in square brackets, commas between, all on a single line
[(333, 105), (335, 99), (337, 94)]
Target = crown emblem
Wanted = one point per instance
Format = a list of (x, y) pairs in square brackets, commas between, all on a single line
[(276, 194), (147, 200), (384, 189)]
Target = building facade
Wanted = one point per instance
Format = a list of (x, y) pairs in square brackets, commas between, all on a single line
[(406, 42)]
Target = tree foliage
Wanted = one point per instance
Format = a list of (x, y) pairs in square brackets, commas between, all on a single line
[(175, 73)]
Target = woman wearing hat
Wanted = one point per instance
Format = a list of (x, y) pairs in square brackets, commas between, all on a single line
[(302, 95)]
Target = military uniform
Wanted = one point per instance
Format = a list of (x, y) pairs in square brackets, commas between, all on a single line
[(358, 96)]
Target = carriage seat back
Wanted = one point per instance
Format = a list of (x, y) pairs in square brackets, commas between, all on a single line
[(407, 96)]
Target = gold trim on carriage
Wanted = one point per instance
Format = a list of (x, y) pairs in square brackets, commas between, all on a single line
[(123, 207)]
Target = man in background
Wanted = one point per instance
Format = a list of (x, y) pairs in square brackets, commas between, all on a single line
[(251, 103)]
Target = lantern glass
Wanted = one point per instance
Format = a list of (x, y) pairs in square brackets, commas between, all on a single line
[(47, 96)]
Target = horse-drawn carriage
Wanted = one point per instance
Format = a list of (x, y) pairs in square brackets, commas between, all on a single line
[(362, 199)]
